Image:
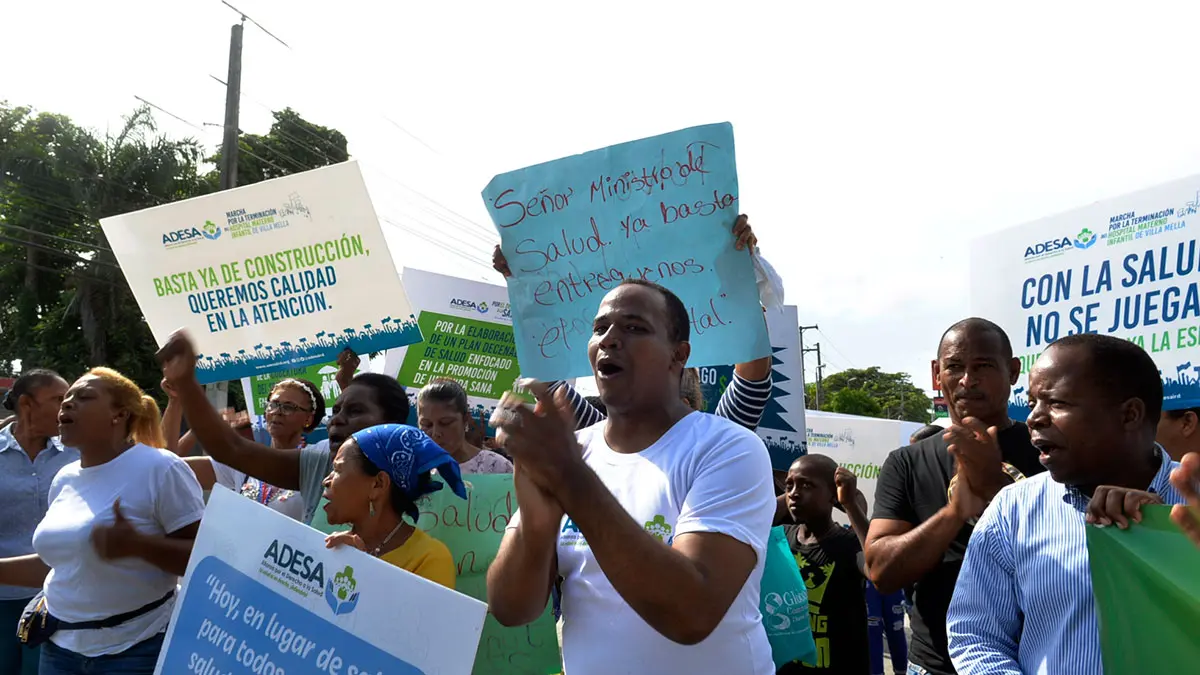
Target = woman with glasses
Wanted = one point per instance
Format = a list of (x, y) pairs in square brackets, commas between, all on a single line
[(294, 408)]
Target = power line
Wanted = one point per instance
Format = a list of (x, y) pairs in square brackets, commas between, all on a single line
[(56, 237), (409, 134), (831, 344), (422, 236), (65, 273), (55, 251), (166, 112), (484, 234), (260, 26), (271, 110)]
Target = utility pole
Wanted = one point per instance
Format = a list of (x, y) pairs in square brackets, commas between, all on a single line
[(233, 95), (218, 392), (817, 349)]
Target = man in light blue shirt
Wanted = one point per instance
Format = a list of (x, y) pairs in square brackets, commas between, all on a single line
[(1024, 602)]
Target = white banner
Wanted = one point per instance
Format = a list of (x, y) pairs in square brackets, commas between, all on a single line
[(1125, 266), (281, 274), (860, 444), (263, 595)]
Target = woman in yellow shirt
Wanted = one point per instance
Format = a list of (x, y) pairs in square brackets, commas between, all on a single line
[(378, 475)]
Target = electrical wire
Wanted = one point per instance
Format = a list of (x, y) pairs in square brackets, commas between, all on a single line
[(65, 273)]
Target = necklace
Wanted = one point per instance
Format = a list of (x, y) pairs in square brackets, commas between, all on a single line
[(377, 549)]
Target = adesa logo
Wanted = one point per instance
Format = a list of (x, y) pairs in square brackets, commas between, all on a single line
[(294, 568), (1059, 245), (481, 307), (191, 235)]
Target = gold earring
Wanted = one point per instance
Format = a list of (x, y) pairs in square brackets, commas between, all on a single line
[(372, 509)]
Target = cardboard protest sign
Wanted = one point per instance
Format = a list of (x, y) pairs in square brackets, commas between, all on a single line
[(281, 274), (1124, 266), (262, 594), (468, 337), (782, 425), (1147, 594), (473, 530), (660, 209)]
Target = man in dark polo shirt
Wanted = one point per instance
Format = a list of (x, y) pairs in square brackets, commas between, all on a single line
[(930, 493)]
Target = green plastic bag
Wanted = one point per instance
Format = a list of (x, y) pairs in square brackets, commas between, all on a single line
[(1147, 585), (784, 605)]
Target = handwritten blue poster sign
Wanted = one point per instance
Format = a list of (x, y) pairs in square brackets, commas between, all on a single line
[(660, 209)]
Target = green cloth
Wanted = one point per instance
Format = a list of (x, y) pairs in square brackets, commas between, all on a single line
[(1147, 585)]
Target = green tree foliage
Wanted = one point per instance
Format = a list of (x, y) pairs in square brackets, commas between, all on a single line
[(292, 145), (894, 395), (855, 402), (64, 302)]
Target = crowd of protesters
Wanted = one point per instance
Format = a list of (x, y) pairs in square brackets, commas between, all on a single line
[(644, 519)]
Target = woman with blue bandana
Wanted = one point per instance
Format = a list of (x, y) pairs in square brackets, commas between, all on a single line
[(378, 476)]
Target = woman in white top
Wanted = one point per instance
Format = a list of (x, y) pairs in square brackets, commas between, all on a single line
[(442, 413), (116, 538), (294, 407)]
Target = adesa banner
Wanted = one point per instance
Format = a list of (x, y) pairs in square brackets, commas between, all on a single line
[(263, 595), (1126, 266), (280, 274)]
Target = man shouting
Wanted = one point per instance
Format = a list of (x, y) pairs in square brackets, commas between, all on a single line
[(667, 511)]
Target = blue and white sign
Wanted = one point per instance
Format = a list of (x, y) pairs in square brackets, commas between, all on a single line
[(280, 274), (263, 595), (782, 426), (660, 209), (1127, 266)]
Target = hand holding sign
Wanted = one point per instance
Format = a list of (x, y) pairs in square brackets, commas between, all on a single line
[(659, 209), (178, 360), (1185, 479), (744, 234)]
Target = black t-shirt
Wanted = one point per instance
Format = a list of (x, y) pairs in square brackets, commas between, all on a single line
[(837, 605), (913, 486)]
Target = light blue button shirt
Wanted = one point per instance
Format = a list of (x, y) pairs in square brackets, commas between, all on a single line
[(1024, 604), (24, 494)]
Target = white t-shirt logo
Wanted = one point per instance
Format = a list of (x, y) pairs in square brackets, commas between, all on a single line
[(660, 529)]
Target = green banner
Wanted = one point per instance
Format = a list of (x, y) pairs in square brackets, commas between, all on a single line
[(324, 375), (1147, 595), (473, 530), (480, 355)]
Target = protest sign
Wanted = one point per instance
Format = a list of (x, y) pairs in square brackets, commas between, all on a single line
[(1125, 267), (324, 375), (1147, 594), (263, 595), (281, 274), (861, 444), (782, 425), (468, 337), (660, 209), (473, 530)]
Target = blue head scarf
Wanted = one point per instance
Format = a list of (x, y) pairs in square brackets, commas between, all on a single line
[(406, 453)]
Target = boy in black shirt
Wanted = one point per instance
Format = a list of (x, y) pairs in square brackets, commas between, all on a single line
[(831, 562)]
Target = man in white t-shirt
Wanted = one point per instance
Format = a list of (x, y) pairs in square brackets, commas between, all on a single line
[(667, 511)]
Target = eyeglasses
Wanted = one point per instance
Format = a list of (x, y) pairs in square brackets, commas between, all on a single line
[(285, 407)]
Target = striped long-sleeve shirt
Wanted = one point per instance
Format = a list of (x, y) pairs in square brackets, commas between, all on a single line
[(743, 403), (1024, 604)]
